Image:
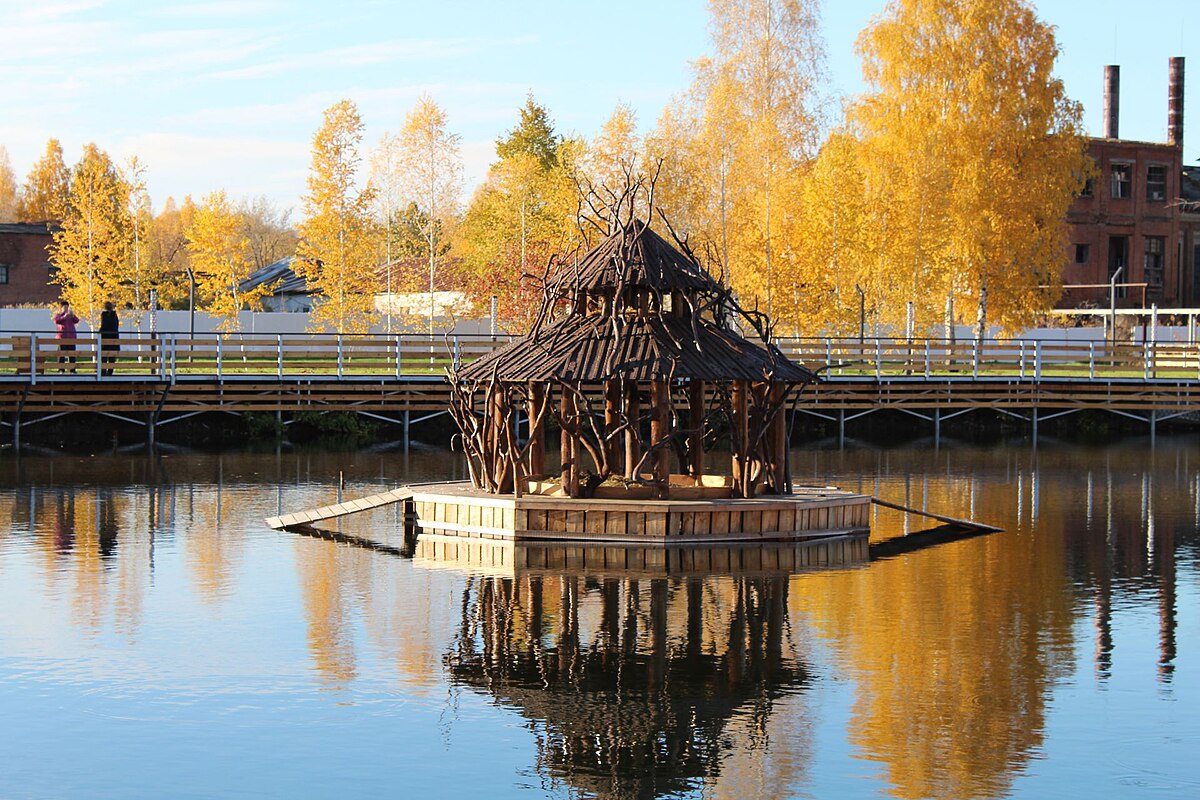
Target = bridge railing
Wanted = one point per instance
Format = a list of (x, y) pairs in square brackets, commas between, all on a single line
[(171, 356)]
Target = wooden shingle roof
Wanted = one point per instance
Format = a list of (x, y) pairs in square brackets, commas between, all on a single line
[(588, 349), (633, 256)]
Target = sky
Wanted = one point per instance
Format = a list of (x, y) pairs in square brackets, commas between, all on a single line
[(226, 94)]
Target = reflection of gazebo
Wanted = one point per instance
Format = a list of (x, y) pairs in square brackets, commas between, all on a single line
[(635, 357), (633, 713)]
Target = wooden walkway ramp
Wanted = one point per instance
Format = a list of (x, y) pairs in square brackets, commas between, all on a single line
[(303, 520)]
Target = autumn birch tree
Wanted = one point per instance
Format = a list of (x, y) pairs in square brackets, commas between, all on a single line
[(963, 92), (44, 196), (92, 247), (430, 171), (336, 252), (220, 257)]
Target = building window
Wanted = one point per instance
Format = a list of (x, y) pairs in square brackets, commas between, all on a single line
[(1081, 254), (1120, 181), (1156, 182), (3, 273), (1089, 187), (1153, 266)]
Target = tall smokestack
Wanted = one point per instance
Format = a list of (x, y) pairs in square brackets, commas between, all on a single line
[(1112, 100), (1175, 103)]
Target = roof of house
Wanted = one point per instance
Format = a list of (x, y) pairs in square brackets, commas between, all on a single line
[(34, 228), (281, 271)]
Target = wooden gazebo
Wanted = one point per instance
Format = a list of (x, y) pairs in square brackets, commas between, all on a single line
[(636, 354)]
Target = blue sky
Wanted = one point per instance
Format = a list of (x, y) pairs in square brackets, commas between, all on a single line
[(227, 94)]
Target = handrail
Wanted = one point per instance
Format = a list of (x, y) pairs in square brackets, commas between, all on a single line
[(37, 356)]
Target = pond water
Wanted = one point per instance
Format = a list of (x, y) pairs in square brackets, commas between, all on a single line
[(157, 640)]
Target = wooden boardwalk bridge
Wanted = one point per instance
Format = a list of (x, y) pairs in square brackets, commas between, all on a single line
[(155, 381)]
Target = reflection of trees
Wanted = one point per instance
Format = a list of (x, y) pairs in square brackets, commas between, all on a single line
[(627, 709)]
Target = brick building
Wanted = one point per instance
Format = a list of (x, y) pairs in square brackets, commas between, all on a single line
[(1130, 218), (25, 269)]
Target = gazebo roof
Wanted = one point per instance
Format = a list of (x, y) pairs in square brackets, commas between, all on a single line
[(633, 256), (590, 349), (642, 346)]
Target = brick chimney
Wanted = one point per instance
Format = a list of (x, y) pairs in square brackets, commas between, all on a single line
[(1175, 103), (1112, 101)]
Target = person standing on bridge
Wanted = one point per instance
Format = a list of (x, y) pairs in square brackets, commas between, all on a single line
[(110, 330), (64, 323)]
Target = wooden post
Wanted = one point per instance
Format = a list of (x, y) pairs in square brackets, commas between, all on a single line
[(633, 452), (497, 424), (569, 447), (537, 432), (695, 466), (613, 449), (660, 430), (739, 436), (777, 451)]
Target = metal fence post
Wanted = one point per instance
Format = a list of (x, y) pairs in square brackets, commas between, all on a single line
[(975, 358), (174, 355), (398, 368), (457, 354), (926, 358), (219, 341), (1147, 359), (99, 360), (279, 356), (1037, 360), (1022, 346), (339, 355), (33, 349), (1092, 360), (878, 360)]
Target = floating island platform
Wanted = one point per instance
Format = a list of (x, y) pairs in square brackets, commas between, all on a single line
[(694, 513)]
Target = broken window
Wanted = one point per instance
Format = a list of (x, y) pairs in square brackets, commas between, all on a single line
[(1156, 182), (1120, 181)]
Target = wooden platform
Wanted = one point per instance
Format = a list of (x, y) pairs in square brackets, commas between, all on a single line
[(305, 519), (460, 510)]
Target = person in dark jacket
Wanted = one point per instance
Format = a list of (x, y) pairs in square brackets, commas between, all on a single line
[(110, 330)]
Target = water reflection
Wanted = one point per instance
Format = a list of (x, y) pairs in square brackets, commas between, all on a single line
[(632, 684), (710, 674)]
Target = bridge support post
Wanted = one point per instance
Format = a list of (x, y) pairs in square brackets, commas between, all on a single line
[(406, 417), (1153, 427), (937, 427), (1034, 417), (842, 427)]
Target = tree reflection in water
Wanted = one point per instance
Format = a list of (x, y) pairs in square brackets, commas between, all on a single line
[(630, 682)]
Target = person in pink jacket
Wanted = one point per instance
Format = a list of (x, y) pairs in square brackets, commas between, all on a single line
[(64, 323)]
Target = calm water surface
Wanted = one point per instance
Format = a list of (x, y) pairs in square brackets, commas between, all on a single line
[(157, 640)]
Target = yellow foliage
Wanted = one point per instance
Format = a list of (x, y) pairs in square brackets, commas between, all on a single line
[(336, 253), (47, 188), (220, 259), (92, 248)]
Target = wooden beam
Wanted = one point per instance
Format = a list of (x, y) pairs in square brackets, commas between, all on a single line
[(633, 451), (537, 433), (695, 466), (613, 449), (569, 447), (660, 430), (739, 435)]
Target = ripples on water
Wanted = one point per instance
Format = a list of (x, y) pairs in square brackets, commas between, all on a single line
[(157, 640)]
